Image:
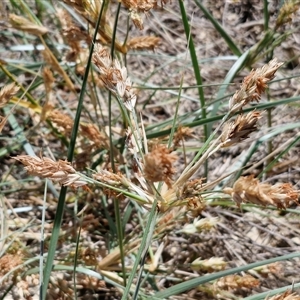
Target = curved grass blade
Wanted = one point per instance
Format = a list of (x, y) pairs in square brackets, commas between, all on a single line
[(187, 285)]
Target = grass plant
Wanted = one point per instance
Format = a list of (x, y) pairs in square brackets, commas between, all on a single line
[(129, 169)]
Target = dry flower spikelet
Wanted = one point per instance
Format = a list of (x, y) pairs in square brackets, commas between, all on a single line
[(286, 11), (210, 265), (72, 34), (114, 77), (287, 295), (180, 135), (159, 165), (234, 282), (249, 190), (239, 130), (8, 262), (91, 132), (143, 43), (61, 120), (254, 85), (199, 225), (7, 92), (60, 171), (25, 25)]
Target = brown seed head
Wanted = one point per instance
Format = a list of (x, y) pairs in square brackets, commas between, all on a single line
[(62, 120), (7, 92), (253, 85), (25, 25), (288, 8), (60, 171), (233, 282), (91, 132), (158, 165), (143, 43), (249, 190), (287, 295), (114, 77), (239, 130)]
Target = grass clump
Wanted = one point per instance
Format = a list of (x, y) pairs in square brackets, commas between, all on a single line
[(138, 184)]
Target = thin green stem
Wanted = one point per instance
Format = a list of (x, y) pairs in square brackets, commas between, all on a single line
[(116, 201)]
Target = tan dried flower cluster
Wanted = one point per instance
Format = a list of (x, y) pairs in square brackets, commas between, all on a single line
[(7, 92), (114, 77), (189, 194), (159, 165), (143, 43), (239, 130), (210, 265), (73, 35), (287, 295), (60, 171), (25, 25), (9, 261), (233, 282), (180, 135), (110, 178), (249, 190), (48, 79), (61, 120), (288, 8), (253, 85), (91, 132), (137, 6)]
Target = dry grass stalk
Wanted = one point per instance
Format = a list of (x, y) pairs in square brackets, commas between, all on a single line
[(159, 165), (143, 43), (60, 171), (249, 190), (114, 77), (239, 130), (25, 25), (253, 85)]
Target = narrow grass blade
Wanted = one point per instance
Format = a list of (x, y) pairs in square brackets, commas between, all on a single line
[(143, 248), (238, 65), (187, 285), (63, 192), (196, 71), (231, 44), (268, 294)]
